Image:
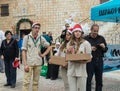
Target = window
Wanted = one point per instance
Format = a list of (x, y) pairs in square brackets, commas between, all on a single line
[(102, 1), (4, 10)]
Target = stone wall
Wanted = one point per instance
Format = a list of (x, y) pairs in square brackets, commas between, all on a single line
[(50, 13)]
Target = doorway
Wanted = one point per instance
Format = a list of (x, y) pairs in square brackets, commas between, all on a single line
[(24, 31)]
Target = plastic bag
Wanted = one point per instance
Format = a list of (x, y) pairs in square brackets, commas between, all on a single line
[(44, 70)]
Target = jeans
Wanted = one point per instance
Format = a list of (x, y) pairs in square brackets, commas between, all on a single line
[(10, 72)]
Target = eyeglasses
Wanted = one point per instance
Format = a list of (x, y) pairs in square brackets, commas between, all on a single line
[(36, 27)]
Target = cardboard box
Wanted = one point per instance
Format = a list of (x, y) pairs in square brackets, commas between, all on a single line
[(57, 60), (78, 57)]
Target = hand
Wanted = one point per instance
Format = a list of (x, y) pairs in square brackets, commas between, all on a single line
[(41, 55), (49, 61), (63, 33), (94, 48), (2, 57), (102, 45), (65, 65), (84, 61), (26, 68), (16, 59), (88, 61), (70, 49)]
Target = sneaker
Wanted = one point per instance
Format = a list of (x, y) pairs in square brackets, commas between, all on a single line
[(47, 77)]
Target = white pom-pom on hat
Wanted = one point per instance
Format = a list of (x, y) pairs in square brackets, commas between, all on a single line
[(36, 23)]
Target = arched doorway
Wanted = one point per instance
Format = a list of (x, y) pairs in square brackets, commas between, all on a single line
[(23, 27)]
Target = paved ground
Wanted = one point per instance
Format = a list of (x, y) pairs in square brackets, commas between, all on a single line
[(111, 82)]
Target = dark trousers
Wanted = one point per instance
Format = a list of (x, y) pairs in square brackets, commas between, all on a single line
[(53, 71), (49, 71), (95, 67), (10, 72)]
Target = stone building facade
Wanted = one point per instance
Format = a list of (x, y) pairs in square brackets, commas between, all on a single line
[(50, 13)]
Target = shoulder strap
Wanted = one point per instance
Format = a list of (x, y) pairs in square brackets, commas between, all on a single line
[(40, 40), (27, 39)]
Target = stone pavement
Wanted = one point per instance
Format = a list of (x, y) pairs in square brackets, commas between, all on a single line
[(111, 82)]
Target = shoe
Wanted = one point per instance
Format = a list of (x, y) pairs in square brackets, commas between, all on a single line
[(7, 84), (2, 71), (13, 86), (47, 77), (53, 78)]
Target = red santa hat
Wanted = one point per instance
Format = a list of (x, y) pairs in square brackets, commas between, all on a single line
[(77, 27), (70, 30)]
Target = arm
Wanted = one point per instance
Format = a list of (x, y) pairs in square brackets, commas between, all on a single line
[(104, 46), (24, 50), (45, 44), (1, 50), (88, 50), (46, 52), (24, 58), (24, 53)]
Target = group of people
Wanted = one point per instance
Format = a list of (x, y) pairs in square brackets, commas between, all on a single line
[(80, 74), (77, 76)]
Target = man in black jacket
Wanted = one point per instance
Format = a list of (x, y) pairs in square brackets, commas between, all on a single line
[(63, 34), (95, 67)]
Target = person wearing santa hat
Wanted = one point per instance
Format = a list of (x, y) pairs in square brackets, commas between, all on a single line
[(76, 73), (61, 52)]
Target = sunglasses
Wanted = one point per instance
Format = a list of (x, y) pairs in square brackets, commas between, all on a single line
[(36, 27)]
